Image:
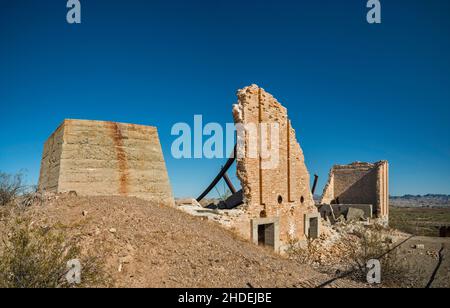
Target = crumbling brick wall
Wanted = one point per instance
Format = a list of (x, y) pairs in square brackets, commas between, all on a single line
[(272, 190), (105, 158), (360, 183)]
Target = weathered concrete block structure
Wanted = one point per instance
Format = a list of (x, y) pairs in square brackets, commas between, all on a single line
[(359, 184), (104, 158), (278, 203)]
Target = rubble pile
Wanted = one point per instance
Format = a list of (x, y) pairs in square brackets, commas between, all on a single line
[(339, 244), (223, 217)]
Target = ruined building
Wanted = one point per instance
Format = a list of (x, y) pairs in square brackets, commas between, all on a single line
[(97, 158), (278, 204), (361, 186), (275, 206)]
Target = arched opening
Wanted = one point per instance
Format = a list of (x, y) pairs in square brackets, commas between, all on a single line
[(280, 199)]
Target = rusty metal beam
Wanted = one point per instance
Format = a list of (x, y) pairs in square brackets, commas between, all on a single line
[(316, 179), (229, 183), (220, 175)]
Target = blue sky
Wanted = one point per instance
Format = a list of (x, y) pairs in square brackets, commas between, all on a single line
[(355, 92)]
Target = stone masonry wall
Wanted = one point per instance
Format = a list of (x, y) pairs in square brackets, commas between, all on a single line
[(105, 158)]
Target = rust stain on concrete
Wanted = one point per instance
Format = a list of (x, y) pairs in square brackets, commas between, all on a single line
[(122, 159), (99, 158)]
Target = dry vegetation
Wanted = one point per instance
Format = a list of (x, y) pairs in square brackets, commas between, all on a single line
[(415, 220), (347, 247), (36, 257), (11, 187)]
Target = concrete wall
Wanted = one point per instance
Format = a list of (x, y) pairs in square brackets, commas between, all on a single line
[(359, 183), (105, 158), (51, 161), (334, 211), (282, 192)]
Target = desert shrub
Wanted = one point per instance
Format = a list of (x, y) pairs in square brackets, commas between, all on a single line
[(5, 212), (372, 243), (14, 192), (29, 198), (11, 186), (354, 246), (32, 257), (395, 272)]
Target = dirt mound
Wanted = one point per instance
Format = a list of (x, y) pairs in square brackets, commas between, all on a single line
[(147, 245)]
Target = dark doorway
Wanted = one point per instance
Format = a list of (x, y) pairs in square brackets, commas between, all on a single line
[(266, 235), (313, 231)]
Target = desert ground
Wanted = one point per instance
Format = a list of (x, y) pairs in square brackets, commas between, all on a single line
[(418, 220), (147, 245), (142, 244)]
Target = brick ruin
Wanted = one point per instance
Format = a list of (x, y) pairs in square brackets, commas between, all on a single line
[(97, 158), (278, 203), (359, 185), (275, 206)]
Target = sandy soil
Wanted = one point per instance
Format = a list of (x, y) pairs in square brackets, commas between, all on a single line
[(424, 261), (147, 245)]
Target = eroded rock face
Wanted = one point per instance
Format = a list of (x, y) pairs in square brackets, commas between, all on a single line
[(97, 158), (271, 167)]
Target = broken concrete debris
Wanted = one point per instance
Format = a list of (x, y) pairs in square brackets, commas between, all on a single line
[(187, 201), (355, 214), (333, 212)]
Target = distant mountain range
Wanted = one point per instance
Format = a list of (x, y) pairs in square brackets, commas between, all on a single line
[(430, 200)]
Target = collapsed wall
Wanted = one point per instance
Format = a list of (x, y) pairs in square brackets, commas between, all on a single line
[(105, 158), (360, 183), (278, 202)]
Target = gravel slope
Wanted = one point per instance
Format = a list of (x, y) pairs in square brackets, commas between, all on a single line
[(146, 245)]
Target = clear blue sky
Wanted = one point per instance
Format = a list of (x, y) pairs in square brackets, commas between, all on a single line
[(354, 91)]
